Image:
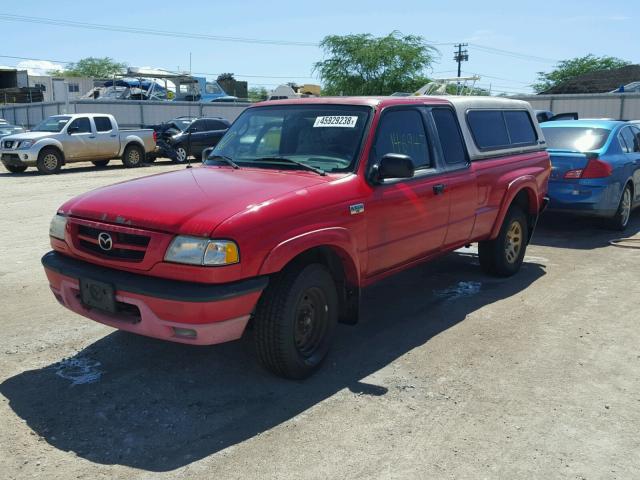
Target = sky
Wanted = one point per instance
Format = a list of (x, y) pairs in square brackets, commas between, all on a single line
[(531, 36)]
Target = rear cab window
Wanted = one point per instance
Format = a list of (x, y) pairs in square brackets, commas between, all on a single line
[(103, 124), (450, 136)]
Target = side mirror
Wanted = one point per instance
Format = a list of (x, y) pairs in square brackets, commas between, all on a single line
[(393, 165), (205, 153), (72, 130)]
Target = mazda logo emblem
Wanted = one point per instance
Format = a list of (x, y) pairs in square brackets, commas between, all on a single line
[(105, 241)]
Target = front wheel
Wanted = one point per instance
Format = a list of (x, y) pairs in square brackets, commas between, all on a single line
[(295, 320), (504, 255), (16, 168), (49, 161), (133, 156), (621, 219)]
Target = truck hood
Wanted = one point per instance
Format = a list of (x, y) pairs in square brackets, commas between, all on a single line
[(190, 201), (29, 136)]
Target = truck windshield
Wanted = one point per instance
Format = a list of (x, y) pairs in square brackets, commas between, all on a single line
[(325, 137), (575, 139), (52, 124)]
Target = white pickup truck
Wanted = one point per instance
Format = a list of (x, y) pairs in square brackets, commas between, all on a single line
[(80, 137)]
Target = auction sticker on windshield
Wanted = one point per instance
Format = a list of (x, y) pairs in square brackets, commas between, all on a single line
[(336, 121)]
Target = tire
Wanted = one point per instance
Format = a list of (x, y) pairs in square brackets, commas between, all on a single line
[(295, 320), (503, 256), (16, 168), (101, 163), (49, 161), (621, 219), (181, 154), (133, 156)]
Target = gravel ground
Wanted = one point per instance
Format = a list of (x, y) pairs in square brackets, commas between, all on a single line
[(450, 374)]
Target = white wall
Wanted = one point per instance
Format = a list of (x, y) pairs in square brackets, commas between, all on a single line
[(128, 113), (620, 106)]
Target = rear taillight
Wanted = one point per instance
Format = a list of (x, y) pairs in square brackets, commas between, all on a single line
[(155, 136), (595, 168)]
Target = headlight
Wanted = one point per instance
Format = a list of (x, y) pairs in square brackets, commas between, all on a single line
[(25, 144), (58, 226), (202, 251)]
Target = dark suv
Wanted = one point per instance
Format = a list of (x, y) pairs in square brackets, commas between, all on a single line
[(188, 136)]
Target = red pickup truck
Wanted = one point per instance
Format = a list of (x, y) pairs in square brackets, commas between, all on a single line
[(301, 205)]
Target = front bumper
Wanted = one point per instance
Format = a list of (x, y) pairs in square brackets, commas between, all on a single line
[(178, 311), (19, 158)]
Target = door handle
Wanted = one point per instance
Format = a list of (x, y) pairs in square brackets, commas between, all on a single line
[(113, 135), (92, 136), (438, 189)]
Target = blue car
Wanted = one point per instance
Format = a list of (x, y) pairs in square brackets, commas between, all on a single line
[(595, 168)]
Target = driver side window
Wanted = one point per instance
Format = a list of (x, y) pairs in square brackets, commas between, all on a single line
[(402, 131), (83, 125)]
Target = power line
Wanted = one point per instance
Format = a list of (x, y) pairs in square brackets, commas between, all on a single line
[(195, 73), (149, 31), (509, 53), (498, 78), (220, 38)]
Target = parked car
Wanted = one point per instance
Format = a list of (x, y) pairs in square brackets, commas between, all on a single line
[(302, 205), (81, 137), (547, 116), (8, 129), (183, 137), (596, 168)]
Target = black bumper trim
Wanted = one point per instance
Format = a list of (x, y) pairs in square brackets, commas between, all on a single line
[(152, 286), (545, 204)]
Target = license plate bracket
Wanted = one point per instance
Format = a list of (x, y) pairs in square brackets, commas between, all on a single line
[(98, 295)]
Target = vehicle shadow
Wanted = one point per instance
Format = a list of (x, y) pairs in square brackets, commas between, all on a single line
[(575, 232), (88, 167), (158, 406)]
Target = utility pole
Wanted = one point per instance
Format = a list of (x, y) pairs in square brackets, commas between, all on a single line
[(460, 56)]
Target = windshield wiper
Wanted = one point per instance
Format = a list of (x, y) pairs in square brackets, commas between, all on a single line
[(226, 160), (319, 171)]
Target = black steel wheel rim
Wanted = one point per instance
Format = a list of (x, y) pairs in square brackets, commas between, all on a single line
[(311, 321)]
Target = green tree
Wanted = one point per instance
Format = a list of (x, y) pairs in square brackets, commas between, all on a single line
[(226, 77), (568, 69), (366, 65), (93, 67), (257, 94)]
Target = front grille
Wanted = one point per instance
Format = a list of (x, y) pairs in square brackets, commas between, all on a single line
[(10, 157), (124, 246)]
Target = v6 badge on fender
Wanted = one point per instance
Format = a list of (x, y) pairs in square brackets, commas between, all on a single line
[(356, 209)]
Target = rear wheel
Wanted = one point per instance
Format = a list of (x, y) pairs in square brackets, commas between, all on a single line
[(16, 168), (181, 154), (49, 161), (621, 219), (504, 255), (295, 320), (101, 163), (133, 156)]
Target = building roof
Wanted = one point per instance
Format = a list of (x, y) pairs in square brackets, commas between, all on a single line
[(601, 81)]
